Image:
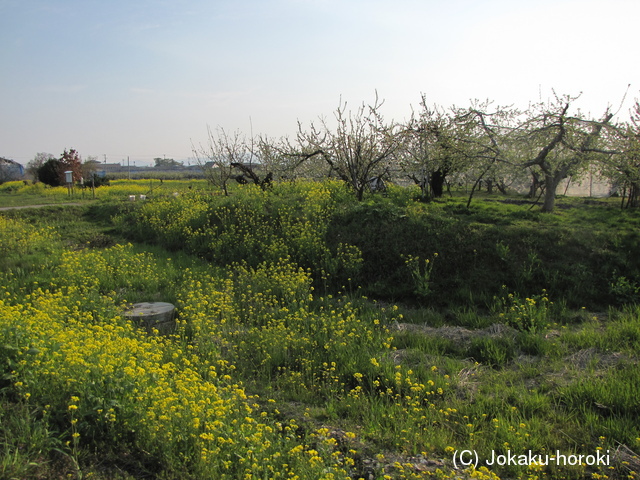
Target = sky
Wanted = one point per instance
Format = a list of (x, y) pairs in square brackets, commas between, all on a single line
[(144, 78)]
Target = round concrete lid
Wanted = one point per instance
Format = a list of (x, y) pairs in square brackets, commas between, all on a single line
[(150, 308)]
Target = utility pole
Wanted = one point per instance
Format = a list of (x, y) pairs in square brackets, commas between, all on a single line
[(129, 167)]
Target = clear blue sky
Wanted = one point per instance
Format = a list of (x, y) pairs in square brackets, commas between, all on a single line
[(143, 78)]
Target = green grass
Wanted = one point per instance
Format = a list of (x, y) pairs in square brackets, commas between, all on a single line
[(13, 200), (482, 359)]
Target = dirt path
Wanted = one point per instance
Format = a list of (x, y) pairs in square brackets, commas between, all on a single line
[(40, 206)]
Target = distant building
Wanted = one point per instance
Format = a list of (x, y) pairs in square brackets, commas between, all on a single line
[(10, 170), (111, 167)]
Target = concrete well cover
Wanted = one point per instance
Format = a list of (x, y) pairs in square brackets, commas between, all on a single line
[(149, 309)]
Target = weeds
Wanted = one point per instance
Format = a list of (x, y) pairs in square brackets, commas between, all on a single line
[(625, 290), (272, 373), (532, 314), (421, 274)]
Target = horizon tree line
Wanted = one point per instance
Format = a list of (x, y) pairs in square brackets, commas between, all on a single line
[(487, 144)]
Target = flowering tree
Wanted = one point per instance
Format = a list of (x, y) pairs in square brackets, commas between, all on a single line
[(38, 161), (218, 156), (559, 144), (430, 152), (623, 167), (361, 147)]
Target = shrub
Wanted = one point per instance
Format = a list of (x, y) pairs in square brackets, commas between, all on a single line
[(49, 172)]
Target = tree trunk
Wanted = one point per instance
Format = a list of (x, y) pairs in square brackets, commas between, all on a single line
[(489, 186), (423, 184), (437, 183), (532, 190), (551, 183), (424, 190), (634, 195), (536, 184)]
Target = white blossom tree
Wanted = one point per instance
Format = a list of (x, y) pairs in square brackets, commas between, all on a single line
[(361, 146)]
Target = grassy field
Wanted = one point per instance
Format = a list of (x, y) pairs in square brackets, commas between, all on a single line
[(318, 337), (19, 193)]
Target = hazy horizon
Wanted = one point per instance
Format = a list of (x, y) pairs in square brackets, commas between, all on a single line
[(143, 79)]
